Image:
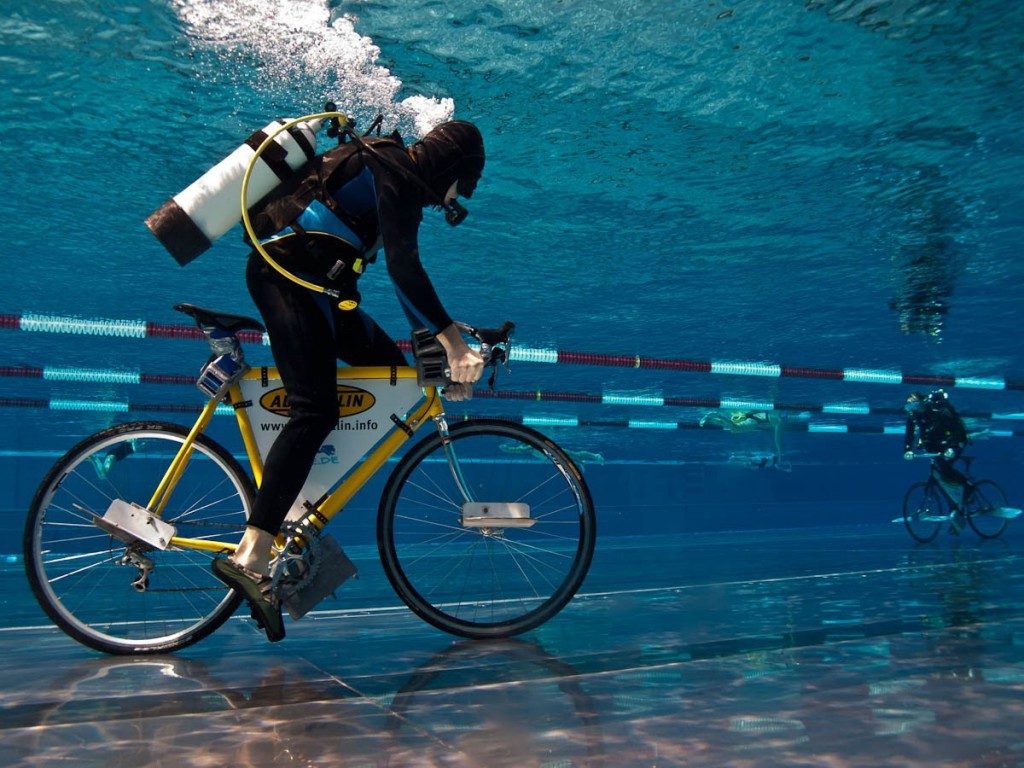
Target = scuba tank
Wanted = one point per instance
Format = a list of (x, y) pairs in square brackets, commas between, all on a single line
[(189, 222)]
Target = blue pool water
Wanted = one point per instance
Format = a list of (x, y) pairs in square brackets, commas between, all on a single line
[(827, 185), (796, 207)]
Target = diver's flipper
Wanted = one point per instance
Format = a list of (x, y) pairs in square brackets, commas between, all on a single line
[(1007, 513)]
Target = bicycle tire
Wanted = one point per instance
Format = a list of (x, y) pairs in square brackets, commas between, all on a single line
[(73, 566), (477, 582), (985, 497), (924, 511)]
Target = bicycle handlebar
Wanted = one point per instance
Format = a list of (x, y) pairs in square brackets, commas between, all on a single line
[(939, 455), (432, 369), (494, 342), (221, 330)]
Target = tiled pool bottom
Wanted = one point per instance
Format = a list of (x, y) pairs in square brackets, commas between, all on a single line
[(830, 647)]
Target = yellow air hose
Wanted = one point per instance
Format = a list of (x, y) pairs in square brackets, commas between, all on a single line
[(345, 304)]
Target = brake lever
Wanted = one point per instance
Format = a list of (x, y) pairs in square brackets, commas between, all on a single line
[(498, 355), (492, 354)]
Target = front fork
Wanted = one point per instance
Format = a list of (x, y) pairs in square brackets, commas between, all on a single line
[(453, 461)]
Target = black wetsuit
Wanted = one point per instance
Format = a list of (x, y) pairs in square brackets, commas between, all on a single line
[(938, 427), (308, 333)]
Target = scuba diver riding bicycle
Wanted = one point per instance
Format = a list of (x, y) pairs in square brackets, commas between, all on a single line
[(325, 225), (941, 431)]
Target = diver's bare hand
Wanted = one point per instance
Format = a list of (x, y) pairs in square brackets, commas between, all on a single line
[(465, 363), (458, 392)]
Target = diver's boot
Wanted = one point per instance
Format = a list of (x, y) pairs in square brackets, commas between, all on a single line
[(246, 573)]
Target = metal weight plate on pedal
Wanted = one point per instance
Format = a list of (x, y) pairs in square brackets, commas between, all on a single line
[(333, 568)]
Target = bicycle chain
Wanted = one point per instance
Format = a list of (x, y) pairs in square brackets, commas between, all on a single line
[(303, 557), (207, 524)]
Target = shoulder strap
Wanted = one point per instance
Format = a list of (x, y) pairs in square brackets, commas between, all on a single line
[(290, 199)]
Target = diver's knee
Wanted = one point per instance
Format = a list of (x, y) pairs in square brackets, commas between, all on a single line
[(319, 418)]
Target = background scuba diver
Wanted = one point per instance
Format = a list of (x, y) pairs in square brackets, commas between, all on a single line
[(325, 225), (940, 430)]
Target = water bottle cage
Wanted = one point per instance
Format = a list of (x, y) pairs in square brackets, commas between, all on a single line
[(220, 372)]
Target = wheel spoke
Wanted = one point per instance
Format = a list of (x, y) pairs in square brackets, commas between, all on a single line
[(494, 580), (983, 498), (121, 598), (923, 512)]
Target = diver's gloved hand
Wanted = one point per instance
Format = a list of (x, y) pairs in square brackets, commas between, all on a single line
[(908, 455), (949, 453)]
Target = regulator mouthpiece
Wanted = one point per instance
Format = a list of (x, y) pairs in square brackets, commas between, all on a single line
[(455, 213)]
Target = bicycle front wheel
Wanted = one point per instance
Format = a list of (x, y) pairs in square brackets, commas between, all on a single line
[(924, 511), (479, 576), (134, 599), (985, 497)]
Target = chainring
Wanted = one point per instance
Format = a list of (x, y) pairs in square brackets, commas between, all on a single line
[(297, 562)]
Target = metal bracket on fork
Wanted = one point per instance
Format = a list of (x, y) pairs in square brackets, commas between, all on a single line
[(481, 514), (496, 514)]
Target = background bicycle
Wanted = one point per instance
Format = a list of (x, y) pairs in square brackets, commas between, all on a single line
[(929, 505)]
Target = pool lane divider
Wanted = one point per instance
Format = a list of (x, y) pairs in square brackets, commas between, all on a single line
[(540, 422), (116, 376), (143, 329)]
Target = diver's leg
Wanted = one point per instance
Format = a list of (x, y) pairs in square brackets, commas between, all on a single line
[(954, 480), (302, 343), (777, 435), (360, 341), (955, 484)]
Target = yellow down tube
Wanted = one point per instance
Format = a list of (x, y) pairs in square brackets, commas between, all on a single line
[(333, 504)]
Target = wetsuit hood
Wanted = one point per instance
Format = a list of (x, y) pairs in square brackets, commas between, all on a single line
[(452, 152)]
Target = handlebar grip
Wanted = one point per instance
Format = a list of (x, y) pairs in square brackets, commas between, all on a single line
[(432, 368)]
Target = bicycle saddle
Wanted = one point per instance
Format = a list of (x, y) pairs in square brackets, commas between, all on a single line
[(221, 320)]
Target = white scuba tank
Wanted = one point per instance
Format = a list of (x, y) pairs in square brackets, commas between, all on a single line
[(189, 222)]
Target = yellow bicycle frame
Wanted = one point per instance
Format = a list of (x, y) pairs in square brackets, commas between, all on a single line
[(429, 407)]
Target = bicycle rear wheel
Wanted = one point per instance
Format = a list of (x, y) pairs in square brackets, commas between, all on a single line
[(486, 580), (924, 511), (102, 591), (985, 497)]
